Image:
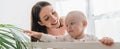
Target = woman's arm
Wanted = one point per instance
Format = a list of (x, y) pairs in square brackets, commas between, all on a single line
[(48, 38)]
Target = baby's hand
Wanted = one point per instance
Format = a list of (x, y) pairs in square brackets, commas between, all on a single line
[(33, 34), (107, 41)]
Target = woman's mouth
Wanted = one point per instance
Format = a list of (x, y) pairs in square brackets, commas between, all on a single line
[(54, 23)]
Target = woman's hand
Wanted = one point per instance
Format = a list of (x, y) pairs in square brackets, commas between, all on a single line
[(107, 41), (33, 34)]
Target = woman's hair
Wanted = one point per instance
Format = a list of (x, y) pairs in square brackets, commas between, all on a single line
[(36, 9)]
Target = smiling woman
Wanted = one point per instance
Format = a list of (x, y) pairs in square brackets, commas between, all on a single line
[(46, 20)]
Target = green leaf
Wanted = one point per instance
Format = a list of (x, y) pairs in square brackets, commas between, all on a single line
[(8, 31), (3, 45), (3, 25), (7, 42), (7, 36), (19, 42)]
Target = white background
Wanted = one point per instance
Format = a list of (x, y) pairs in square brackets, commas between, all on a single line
[(104, 18)]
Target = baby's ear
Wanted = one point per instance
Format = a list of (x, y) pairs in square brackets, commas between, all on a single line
[(84, 23), (40, 23)]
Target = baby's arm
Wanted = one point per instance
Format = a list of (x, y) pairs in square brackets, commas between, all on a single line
[(107, 41)]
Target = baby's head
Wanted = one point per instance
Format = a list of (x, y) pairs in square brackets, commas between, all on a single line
[(76, 23)]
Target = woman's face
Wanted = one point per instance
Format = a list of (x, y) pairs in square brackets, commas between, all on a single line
[(49, 17)]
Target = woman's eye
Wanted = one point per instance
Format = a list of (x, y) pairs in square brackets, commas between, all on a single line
[(53, 12), (46, 18)]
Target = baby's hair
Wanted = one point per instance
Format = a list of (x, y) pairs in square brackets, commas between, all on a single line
[(77, 13)]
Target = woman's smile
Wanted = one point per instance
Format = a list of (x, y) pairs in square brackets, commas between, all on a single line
[(55, 23)]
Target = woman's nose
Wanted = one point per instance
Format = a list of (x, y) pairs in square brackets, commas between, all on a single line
[(53, 18)]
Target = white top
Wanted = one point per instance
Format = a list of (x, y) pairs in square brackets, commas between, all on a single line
[(67, 38), (87, 38)]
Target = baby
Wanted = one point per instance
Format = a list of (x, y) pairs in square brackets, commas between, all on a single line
[(76, 23)]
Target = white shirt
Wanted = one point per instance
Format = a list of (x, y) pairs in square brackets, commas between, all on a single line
[(67, 38), (87, 38)]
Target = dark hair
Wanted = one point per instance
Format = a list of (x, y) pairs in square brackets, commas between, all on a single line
[(36, 9)]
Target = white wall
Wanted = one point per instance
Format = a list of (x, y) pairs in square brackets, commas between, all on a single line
[(16, 12)]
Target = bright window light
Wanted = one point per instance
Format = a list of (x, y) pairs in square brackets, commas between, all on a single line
[(107, 18)]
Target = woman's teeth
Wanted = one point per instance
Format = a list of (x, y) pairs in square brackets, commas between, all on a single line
[(55, 23)]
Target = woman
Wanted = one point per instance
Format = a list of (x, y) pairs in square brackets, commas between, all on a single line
[(46, 20)]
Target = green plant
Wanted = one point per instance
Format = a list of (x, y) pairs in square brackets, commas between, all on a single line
[(12, 37)]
